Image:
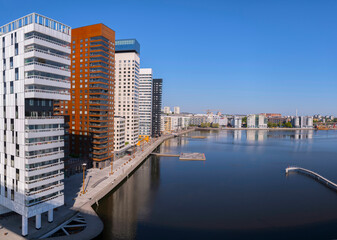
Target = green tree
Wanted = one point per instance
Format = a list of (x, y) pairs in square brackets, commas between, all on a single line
[(288, 125)]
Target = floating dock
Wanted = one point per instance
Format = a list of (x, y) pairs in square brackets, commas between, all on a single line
[(198, 137)]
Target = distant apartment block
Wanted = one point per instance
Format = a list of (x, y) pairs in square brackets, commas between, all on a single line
[(157, 89), (236, 121), (90, 109), (268, 115), (145, 101), (198, 119), (302, 122), (176, 110), (167, 110), (35, 71), (127, 87), (257, 121)]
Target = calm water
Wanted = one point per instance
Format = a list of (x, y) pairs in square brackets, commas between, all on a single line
[(239, 192)]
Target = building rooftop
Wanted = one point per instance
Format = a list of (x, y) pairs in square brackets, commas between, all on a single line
[(127, 45), (35, 18)]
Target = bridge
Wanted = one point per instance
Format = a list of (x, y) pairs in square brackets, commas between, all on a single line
[(314, 175)]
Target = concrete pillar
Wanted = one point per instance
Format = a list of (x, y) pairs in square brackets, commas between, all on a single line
[(24, 226), (38, 221), (50, 215)]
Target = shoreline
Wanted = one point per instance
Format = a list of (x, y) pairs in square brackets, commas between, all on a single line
[(84, 203)]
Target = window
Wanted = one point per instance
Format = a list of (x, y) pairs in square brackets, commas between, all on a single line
[(16, 50), (11, 62), (16, 73)]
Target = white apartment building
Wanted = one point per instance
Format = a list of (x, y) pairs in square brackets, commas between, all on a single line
[(303, 122), (145, 101), (236, 121), (167, 110), (127, 86), (257, 121), (176, 110), (34, 70)]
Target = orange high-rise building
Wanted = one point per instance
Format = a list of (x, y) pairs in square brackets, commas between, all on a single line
[(90, 109)]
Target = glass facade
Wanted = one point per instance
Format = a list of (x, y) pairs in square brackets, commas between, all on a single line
[(35, 18), (125, 45)]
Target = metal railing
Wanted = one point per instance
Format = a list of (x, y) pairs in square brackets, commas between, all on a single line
[(43, 143), (43, 190), (48, 40), (47, 65), (46, 52), (44, 154), (48, 91), (48, 78), (45, 166)]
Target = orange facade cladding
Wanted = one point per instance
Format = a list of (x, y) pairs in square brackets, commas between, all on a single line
[(90, 109)]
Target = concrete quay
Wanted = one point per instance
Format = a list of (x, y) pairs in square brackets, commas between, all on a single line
[(98, 183), (269, 129)]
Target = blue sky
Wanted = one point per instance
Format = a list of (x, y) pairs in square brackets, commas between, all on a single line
[(240, 56)]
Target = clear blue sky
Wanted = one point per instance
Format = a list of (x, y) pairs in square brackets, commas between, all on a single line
[(240, 56)]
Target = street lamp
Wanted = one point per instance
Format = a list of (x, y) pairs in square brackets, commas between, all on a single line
[(84, 165)]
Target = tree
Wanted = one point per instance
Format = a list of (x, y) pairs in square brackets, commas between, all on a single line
[(215, 125), (288, 125), (244, 120)]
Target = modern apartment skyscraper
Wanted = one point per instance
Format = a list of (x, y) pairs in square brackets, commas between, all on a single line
[(92, 89), (176, 110), (34, 72), (145, 101), (127, 87), (156, 106)]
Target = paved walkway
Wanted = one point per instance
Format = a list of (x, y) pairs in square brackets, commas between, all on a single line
[(98, 183)]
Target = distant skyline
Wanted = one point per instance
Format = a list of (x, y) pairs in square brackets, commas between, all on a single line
[(238, 56)]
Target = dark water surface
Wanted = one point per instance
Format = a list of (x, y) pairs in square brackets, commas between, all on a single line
[(240, 191)]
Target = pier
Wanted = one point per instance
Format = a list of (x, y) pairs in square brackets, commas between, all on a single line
[(183, 156), (313, 175), (165, 154)]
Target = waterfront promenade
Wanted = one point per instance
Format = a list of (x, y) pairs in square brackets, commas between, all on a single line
[(98, 183)]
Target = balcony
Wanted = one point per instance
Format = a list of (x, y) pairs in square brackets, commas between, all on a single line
[(100, 141), (32, 49), (47, 94), (45, 154), (47, 38), (47, 81), (101, 135)]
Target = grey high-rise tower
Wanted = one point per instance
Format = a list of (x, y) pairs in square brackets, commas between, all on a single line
[(156, 106)]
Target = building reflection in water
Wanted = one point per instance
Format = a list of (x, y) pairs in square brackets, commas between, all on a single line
[(237, 134), (167, 146), (303, 134), (121, 210), (257, 135)]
